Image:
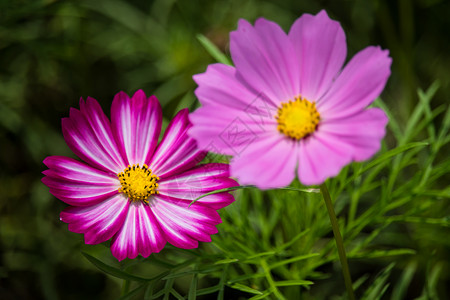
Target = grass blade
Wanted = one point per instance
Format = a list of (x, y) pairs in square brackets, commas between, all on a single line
[(213, 50)]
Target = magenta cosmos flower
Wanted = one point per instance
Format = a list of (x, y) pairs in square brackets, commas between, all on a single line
[(288, 106), (130, 188)]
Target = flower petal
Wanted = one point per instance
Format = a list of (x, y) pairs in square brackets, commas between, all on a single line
[(77, 193), (136, 123), (177, 151), (359, 84), (268, 163), (336, 143), (266, 60), (184, 225), (198, 181), (320, 45), (140, 234), (73, 170), (363, 132), (231, 116), (221, 86), (102, 129), (76, 183), (82, 139), (98, 222), (320, 158)]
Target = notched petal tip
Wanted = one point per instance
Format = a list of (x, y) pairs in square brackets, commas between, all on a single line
[(73, 113), (121, 96), (205, 76), (91, 102), (81, 102), (382, 58), (153, 98), (46, 173), (64, 121), (47, 161), (45, 179), (378, 51), (264, 26), (323, 15), (243, 25), (264, 22)]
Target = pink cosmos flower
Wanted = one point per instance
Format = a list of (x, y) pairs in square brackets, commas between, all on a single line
[(288, 106), (130, 188)]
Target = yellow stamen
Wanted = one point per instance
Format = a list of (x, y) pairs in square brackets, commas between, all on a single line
[(138, 183), (297, 118)]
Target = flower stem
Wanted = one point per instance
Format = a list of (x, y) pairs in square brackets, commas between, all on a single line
[(339, 241)]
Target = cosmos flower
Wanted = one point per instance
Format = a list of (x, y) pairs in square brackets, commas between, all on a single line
[(288, 106), (130, 188)]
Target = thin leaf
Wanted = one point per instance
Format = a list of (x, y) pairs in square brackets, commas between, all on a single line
[(412, 219), (226, 261), (293, 282), (112, 270), (304, 190), (246, 277), (222, 282), (262, 296), (383, 253), (377, 289), (293, 259), (444, 128), (221, 191), (402, 286), (393, 124), (293, 240), (261, 255), (432, 280), (213, 50), (149, 291), (176, 294), (168, 288), (209, 290), (428, 115), (384, 157), (244, 288), (360, 281), (411, 126), (391, 153)]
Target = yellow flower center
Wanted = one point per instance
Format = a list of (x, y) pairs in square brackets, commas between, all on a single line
[(138, 183), (297, 118)]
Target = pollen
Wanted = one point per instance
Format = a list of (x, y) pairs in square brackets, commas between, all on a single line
[(138, 183), (297, 119)]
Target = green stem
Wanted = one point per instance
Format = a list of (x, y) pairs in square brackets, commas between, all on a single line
[(125, 287), (339, 241)]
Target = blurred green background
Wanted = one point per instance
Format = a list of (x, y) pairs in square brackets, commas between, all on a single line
[(54, 52)]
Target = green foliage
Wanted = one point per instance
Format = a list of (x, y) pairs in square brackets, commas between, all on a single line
[(393, 209)]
